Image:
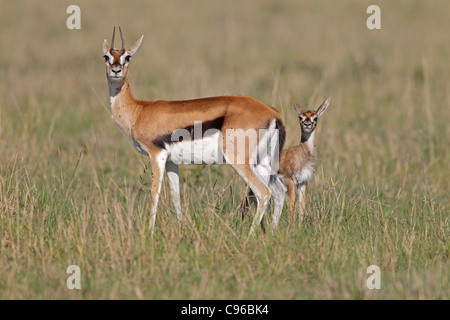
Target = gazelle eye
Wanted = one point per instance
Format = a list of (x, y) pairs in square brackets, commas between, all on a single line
[(315, 119), (127, 58), (106, 58)]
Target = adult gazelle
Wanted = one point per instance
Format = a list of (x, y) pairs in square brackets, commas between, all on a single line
[(240, 131)]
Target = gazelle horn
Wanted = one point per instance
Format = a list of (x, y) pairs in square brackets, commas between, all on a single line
[(121, 37), (113, 36)]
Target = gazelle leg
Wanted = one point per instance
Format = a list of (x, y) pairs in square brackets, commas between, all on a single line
[(174, 181), (278, 194), (263, 201), (259, 189), (256, 173), (301, 202), (158, 160)]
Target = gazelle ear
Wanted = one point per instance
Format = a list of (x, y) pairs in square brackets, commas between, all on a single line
[(105, 47), (296, 106), (135, 46), (323, 107)]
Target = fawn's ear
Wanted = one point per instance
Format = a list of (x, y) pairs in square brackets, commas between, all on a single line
[(323, 107), (296, 106)]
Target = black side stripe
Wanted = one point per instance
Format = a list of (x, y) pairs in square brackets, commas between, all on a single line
[(161, 140)]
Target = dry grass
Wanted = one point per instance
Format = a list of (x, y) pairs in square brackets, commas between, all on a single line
[(73, 191)]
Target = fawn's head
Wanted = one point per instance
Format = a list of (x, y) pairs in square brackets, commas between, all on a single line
[(308, 118), (118, 59)]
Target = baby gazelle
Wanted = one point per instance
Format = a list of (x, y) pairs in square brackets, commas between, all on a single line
[(297, 162), (296, 165)]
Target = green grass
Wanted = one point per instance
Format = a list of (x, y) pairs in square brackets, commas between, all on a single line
[(74, 191)]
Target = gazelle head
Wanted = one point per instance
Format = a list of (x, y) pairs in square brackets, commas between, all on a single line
[(308, 118), (118, 59)]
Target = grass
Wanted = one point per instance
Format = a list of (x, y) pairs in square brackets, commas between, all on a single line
[(73, 190)]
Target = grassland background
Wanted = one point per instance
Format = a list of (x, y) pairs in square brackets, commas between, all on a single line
[(73, 190)]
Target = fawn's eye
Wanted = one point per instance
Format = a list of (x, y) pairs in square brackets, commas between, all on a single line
[(127, 58), (315, 119), (106, 58)]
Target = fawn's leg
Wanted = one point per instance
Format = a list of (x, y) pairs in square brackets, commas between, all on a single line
[(301, 202), (291, 196)]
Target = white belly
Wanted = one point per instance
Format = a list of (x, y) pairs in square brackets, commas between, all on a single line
[(198, 151), (304, 175)]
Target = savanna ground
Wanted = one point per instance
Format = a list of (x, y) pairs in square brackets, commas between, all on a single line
[(74, 191)]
